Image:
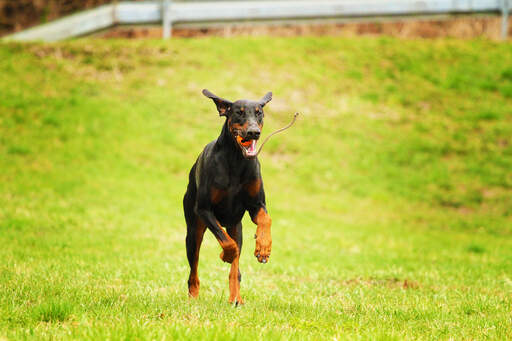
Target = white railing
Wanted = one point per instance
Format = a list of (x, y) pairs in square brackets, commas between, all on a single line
[(169, 12)]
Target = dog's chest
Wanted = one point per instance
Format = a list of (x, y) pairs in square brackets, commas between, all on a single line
[(232, 188), (230, 207)]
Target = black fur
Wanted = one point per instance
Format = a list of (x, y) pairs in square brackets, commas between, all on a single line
[(224, 182)]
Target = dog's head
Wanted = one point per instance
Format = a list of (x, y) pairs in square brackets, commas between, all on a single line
[(245, 120)]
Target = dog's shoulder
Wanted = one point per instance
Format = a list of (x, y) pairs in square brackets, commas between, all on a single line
[(202, 161)]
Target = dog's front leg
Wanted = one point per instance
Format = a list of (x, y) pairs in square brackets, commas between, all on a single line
[(234, 274), (263, 235), (229, 247)]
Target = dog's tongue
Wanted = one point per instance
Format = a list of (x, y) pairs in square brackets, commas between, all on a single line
[(252, 148)]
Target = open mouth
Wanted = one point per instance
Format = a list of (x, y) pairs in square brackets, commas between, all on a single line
[(248, 146)]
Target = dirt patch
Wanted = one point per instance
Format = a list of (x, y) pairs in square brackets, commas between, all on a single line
[(456, 27), (388, 282)]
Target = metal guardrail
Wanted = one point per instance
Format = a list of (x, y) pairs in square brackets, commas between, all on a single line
[(169, 12), (505, 8)]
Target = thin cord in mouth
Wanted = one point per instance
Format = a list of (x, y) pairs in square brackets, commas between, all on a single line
[(277, 131)]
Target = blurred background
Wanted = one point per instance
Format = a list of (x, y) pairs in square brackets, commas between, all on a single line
[(20, 14), (192, 17)]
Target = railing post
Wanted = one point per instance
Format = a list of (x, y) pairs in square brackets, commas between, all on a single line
[(504, 20), (166, 19), (114, 12)]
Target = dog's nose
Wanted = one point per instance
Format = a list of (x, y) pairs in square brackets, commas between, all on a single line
[(253, 134)]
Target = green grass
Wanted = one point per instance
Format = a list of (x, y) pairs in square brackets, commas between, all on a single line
[(391, 197)]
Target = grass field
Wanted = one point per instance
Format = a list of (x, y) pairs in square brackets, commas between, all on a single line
[(391, 197)]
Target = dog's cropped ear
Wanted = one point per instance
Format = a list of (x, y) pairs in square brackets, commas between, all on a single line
[(223, 105), (266, 99)]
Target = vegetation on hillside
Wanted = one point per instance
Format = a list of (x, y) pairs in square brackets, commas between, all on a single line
[(391, 197)]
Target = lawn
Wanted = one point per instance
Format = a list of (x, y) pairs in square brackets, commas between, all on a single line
[(391, 197)]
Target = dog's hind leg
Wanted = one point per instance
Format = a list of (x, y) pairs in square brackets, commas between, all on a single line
[(193, 241), (235, 277), (195, 233)]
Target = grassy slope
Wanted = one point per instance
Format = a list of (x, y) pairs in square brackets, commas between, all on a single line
[(391, 197)]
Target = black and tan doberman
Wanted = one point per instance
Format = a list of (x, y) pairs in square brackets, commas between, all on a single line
[(224, 183)]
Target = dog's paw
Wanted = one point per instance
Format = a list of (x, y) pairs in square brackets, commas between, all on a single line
[(263, 248), (229, 252), (193, 286), (238, 302)]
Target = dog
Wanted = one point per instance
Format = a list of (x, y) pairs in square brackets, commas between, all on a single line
[(224, 183)]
